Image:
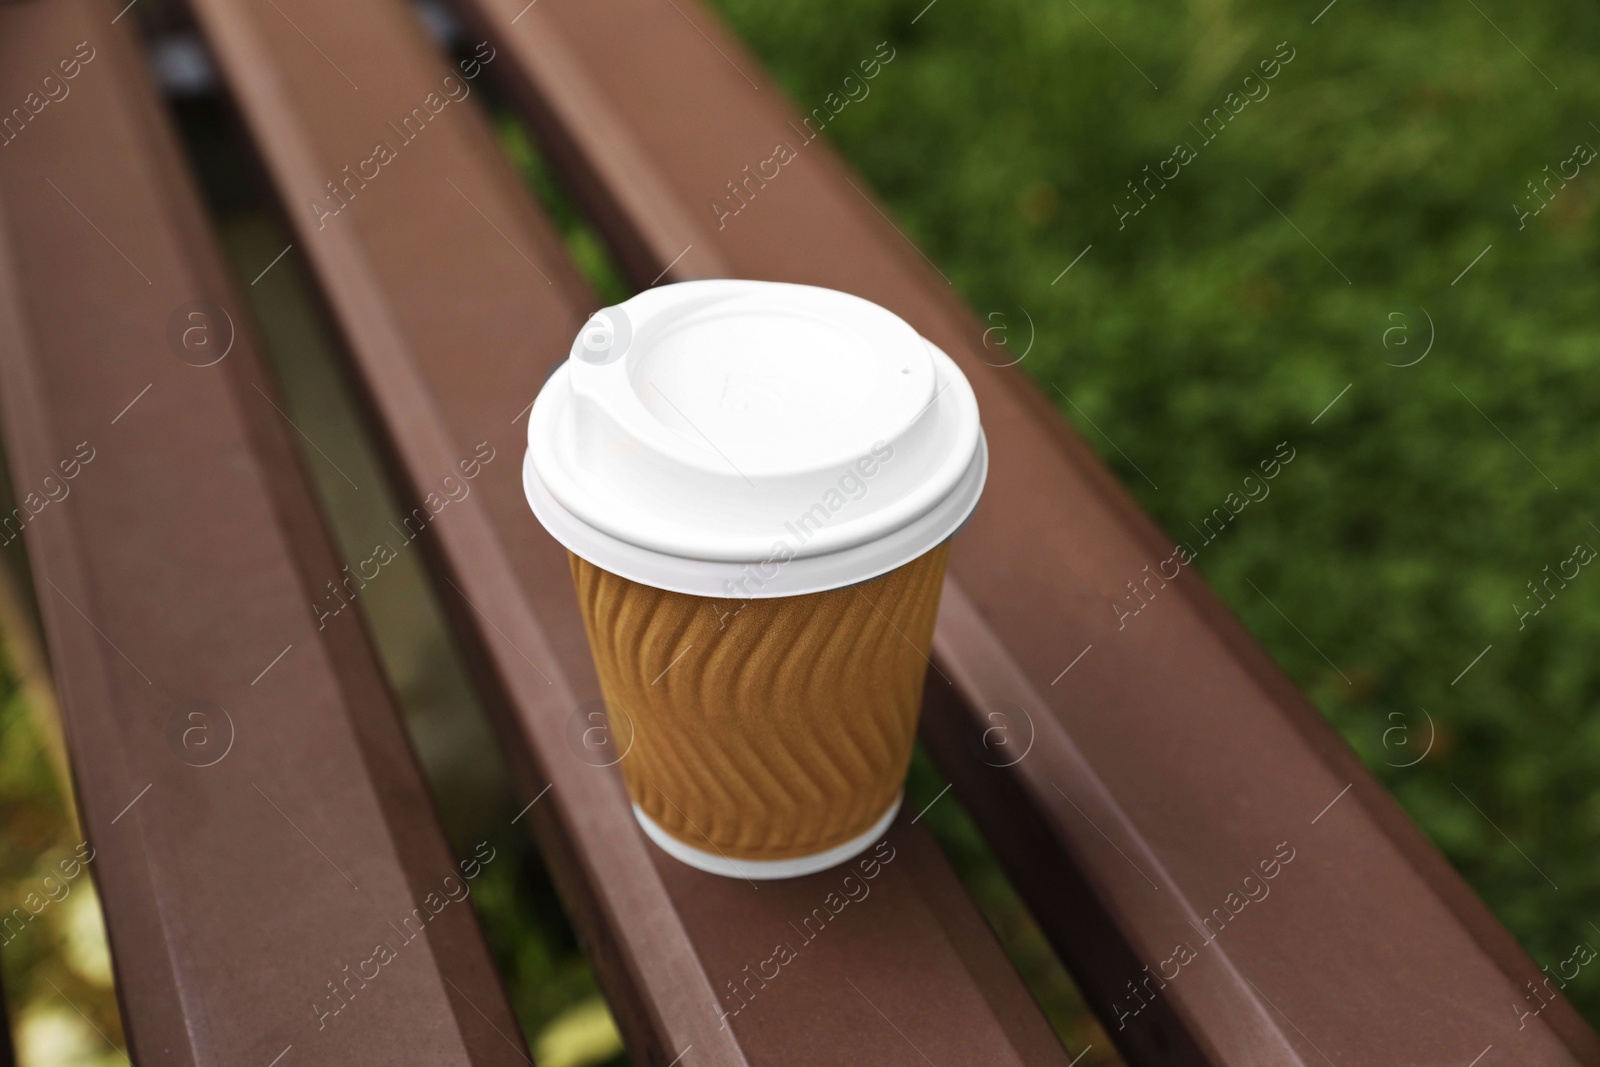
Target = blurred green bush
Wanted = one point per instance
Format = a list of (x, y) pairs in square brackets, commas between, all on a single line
[(54, 966)]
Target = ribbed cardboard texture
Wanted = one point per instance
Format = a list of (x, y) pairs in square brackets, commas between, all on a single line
[(764, 729)]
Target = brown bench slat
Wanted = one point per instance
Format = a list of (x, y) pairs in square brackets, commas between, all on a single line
[(455, 299), (1178, 737), (180, 565)]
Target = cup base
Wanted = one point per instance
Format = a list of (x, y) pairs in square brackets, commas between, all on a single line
[(766, 870)]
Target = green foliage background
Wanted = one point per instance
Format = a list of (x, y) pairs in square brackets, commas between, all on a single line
[(1210, 328)]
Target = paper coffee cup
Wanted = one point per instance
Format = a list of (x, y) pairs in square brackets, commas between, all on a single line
[(757, 483)]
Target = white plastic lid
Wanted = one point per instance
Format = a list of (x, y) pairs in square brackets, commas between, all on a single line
[(752, 439)]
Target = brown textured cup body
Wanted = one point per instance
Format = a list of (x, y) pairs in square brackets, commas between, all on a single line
[(764, 729)]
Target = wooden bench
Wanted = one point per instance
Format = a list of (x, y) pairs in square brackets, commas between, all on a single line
[(1170, 763), (254, 830)]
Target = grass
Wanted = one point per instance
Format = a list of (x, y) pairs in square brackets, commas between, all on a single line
[(1358, 210)]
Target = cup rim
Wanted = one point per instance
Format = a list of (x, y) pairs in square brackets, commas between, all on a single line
[(759, 579), (766, 870)]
